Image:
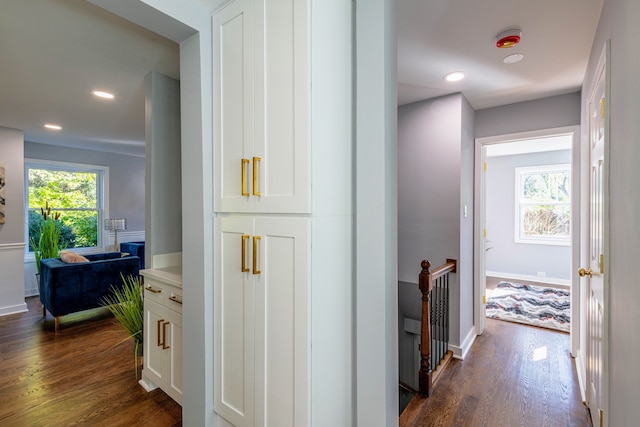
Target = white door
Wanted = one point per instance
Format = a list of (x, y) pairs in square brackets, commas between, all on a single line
[(234, 321), (281, 331), (593, 273)]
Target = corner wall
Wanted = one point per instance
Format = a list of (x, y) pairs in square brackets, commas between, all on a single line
[(12, 231), (435, 183)]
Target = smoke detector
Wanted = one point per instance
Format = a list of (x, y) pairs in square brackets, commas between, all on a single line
[(508, 38)]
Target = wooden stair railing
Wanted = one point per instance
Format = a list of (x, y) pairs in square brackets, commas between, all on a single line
[(435, 318)]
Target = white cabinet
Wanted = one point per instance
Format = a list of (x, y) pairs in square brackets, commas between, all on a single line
[(261, 107), (282, 244), (261, 321), (163, 331)]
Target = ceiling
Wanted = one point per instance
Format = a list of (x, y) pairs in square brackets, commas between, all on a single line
[(436, 37), (55, 52)]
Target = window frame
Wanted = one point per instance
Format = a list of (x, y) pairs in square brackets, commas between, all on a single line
[(102, 198), (519, 203)]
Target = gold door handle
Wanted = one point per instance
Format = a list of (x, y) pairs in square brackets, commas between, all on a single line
[(255, 255), (582, 272), (244, 177), (256, 190), (244, 268), (153, 290), (160, 343), (164, 336)]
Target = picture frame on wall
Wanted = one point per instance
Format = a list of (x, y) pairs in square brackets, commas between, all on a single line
[(2, 193)]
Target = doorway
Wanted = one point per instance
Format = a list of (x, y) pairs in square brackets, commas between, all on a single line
[(525, 216)]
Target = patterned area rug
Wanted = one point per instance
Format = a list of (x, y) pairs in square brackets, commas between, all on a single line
[(531, 305)]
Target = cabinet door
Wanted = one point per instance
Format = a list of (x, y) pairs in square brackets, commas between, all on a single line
[(233, 86), (281, 107), (281, 331), (234, 321), (155, 359), (173, 337)]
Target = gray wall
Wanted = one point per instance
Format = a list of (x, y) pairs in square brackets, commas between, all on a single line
[(505, 254), (11, 154), (546, 113), (12, 231), (435, 181), (619, 23), (126, 178), (163, 158)]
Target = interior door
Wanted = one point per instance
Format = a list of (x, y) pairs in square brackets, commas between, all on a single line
[(593, 275)]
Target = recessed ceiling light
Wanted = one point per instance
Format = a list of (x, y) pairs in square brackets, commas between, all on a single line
[(102, 94), (454, 76), (53, 126), (510, 59)]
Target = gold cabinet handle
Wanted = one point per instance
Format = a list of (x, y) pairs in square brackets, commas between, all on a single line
[(582, 272), (153, 290), (164, 336), (255, 254), (176, 299), (256, 190), (244, 177), (244, 267), (160, 343)]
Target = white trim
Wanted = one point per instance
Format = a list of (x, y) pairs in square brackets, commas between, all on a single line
[(581, 371), (14, 309), (519, 203), (461, 352), (528, 278), (11, 246), (102, 190), (479, 284)]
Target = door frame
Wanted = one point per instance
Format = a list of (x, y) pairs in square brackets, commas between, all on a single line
[(480, 220)]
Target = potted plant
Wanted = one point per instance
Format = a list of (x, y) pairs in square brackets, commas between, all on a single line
[(127, 306), (47, 244)]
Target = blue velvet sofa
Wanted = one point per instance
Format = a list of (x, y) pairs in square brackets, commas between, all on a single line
[(68, 288), (134, 249)]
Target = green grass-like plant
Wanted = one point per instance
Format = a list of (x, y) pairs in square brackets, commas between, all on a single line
[(127, 306), (48, 243)]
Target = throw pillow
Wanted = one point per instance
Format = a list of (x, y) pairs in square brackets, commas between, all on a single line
[(71, 257)]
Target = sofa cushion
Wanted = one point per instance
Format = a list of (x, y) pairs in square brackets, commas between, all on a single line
[(71, 257)]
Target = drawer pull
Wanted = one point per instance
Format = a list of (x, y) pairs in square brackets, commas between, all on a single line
[(160, 343), (244, 178), (164, 336), (176, 299), (256, 239), (256, 190), (153, 290), (243, 257)]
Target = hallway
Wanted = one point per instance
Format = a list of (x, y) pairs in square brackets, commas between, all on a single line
[(513, 376)]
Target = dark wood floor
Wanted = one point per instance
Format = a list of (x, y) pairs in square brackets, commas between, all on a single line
[(514, 375), (77, 377)]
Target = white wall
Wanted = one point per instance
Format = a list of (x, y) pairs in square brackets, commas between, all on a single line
[(376, 278), (505, 255), (12, 242), (618, 22)]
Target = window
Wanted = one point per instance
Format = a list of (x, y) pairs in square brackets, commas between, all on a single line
[(543, 204), (74, 191)]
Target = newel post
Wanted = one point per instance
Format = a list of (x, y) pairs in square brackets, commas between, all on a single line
[(425, 282)]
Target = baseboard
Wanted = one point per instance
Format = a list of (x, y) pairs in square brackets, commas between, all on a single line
[(461, 352), (147, 385), (580, 370), (14, 309), (527, 278)]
